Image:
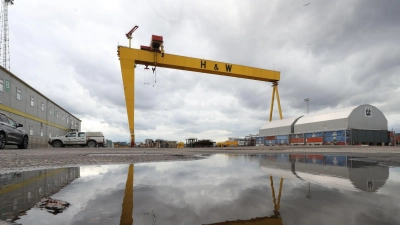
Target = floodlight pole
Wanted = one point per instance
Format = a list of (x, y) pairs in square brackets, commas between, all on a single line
[(307, 100)]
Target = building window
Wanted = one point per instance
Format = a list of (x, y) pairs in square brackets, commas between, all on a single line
[(18, 94), (57, 114), (1, 85), (30, 130), (51, 111), (42, 107), (32, 101), (41, 132), (62, 116), (67, 119)]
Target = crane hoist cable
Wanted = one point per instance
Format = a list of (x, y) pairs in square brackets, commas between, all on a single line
[(156, 46), (155, 66), (146, 74), (155, 75)]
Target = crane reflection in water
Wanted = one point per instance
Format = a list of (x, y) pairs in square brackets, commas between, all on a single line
[(149, 218), (342, 172)]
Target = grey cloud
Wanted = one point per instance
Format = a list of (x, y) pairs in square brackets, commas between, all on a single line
[(338, 54)]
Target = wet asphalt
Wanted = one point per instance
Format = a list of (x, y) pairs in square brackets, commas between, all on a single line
[(14, 160)]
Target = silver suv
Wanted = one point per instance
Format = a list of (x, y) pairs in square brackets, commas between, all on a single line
[(10, 134)]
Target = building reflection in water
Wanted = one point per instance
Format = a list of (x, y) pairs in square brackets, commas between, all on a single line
[(20, 191), (365, 176)]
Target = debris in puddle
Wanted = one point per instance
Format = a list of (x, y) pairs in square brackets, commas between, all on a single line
[(53, 206)]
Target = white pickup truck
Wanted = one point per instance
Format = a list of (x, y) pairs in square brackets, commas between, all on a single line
[(90, 139)]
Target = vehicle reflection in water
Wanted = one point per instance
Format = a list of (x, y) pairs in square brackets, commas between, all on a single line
[(230, 189), (20, 191)]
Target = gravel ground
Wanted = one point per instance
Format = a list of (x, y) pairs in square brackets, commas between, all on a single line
[(13, 160)]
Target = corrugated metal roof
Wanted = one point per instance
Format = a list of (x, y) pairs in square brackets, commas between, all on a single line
[(279, 123), (334, 114)]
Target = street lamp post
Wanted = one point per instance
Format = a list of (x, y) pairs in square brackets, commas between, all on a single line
[(307, 100)]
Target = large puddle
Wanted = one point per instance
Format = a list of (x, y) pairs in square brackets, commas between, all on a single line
[(221, 189)]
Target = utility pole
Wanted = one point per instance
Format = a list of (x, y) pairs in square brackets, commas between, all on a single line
[(4, 38), (307, 100)]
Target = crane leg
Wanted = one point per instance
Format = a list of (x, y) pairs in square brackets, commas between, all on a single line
[(275, 91), (272, 102), (128, 79), (133, 139), (278, 100)]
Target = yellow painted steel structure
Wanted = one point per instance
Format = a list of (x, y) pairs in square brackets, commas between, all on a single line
[(130, 57), (180, 145), (275, 91), (228, 144)]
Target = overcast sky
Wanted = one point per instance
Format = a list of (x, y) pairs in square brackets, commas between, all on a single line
[(337, 53)]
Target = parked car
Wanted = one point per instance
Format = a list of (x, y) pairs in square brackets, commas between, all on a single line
[(90, 139), (11, 134)]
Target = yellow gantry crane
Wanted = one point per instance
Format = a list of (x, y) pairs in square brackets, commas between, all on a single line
[(154, 55)]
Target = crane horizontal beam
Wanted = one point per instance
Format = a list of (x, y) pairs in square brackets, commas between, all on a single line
[(129, 57), (197, 65)]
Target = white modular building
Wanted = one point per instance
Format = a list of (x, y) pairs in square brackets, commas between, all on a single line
[(40, 116), (362, 124), (361, 117), (279, 127)]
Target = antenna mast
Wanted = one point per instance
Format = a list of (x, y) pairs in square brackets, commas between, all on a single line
[(5, 45)]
